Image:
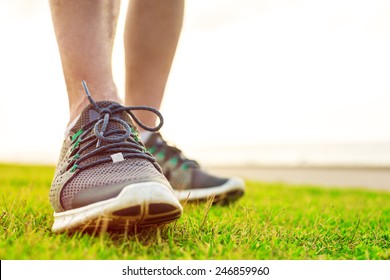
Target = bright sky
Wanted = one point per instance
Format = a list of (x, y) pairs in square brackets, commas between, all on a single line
[(246, 72)]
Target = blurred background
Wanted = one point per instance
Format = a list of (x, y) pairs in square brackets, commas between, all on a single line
[(267, 89)]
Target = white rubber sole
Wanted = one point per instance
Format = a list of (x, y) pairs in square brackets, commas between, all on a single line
[(230, 191), (141, 204)]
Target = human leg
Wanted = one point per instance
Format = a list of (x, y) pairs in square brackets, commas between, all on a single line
[(85, 32), (104, 178), (151, 36)]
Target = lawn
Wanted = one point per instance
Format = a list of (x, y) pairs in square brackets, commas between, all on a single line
[(271, 221)]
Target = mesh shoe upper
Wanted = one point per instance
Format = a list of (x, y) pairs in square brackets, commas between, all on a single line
[(87, 161), (181, 172)]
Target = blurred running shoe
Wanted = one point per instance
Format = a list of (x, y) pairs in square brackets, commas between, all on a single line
[(189, 181)]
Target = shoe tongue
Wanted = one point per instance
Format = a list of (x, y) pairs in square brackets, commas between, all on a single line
[(90, 114)]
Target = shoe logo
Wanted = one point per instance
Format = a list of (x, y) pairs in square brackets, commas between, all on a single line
[(117, 157)]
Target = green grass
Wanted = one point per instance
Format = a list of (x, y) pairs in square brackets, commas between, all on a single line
[(272, 221)]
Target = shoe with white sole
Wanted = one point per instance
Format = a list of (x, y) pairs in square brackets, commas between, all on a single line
[(105, 177), (188, 180)]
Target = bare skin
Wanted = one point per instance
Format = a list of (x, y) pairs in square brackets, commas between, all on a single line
[(151, 35), (85, 32)]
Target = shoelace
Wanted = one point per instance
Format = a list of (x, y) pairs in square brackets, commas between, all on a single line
[(115, 143), (174, 154)]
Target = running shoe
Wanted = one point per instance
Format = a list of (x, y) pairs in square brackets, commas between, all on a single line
[(188, 180), (105, 177)]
